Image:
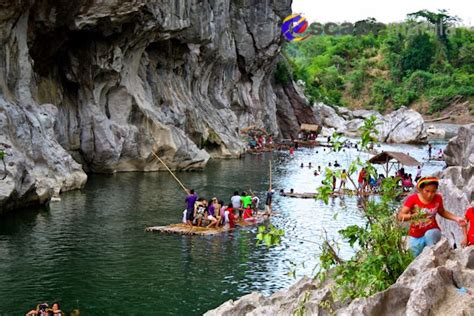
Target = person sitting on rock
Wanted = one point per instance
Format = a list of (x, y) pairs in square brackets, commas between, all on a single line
[(420, 209), (336, 164), (469, 228)]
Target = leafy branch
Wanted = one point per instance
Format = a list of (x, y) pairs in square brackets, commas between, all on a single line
[(269, 235)]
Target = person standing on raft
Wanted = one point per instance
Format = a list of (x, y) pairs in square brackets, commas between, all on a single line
[(190, 201), (421, 209)]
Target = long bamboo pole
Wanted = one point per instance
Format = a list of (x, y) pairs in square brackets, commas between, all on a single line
[(270, 174), (180, 183)]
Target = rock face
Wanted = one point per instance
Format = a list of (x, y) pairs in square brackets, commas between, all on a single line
[(460, 149), (457, 181), (123, 79), (403, 126), (427, 287), (330, 118), (290, 117), (37, 167)]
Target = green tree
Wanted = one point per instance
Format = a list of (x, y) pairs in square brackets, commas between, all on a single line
[(418, 55)]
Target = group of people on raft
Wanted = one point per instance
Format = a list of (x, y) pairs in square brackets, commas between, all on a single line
[(420, 210), (215, 213)]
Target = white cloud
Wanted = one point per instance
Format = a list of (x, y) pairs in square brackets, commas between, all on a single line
[(389, 11)]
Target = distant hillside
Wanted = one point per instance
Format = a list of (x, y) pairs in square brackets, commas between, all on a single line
[(422, 64)]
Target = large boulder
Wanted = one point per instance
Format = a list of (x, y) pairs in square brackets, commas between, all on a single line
[(37, 167), (365, 114), (329, 117), (403, 126), (352, 127), (435, 133), (460, 149)]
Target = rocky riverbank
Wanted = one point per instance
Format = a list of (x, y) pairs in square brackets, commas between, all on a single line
[(429, 286), (401, 126)]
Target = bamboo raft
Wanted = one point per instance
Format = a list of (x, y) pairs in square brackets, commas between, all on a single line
[(312, 195), (184, 229), (308, 143)]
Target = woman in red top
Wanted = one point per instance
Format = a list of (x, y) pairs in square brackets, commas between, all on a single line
[(421, 209), (469, 234)]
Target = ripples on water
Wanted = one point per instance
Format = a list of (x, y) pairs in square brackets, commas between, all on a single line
[(90, 251)]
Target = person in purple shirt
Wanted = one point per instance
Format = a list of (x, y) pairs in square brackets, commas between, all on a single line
[(190, 201)]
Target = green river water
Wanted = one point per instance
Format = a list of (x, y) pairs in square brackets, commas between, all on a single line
[(90, 251)]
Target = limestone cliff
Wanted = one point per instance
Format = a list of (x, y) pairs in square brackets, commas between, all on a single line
[(109, 82)]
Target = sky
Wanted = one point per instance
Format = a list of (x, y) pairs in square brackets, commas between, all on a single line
[(389, 11)]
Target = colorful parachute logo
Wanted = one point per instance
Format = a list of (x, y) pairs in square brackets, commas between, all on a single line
[(293, 27)]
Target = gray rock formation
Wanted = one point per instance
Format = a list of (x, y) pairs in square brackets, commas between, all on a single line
[(37, 167), (329, 117), (460, 149), (403, 126), (289, 118), (457, 181), (427, 287), (124, 79)]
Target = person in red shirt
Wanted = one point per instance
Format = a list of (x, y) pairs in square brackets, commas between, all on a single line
[(469, 229), (292, 150), (231, 220), (420, 209), (248, 215), (361, 180)]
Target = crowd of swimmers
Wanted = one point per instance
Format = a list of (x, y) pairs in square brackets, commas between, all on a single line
[(366, 183), (215, 212)]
